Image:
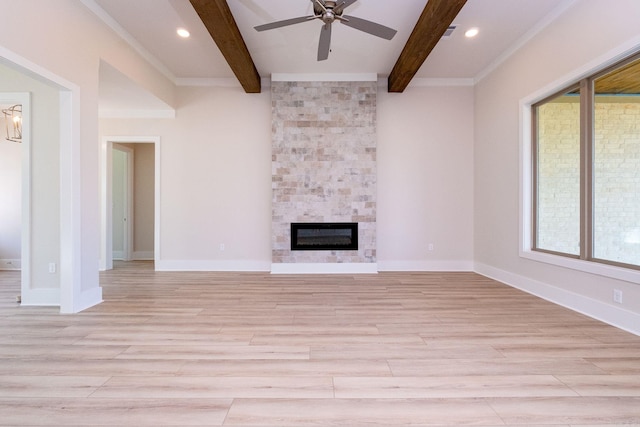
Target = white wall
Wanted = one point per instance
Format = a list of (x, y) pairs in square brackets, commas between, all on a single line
[(589, 33), (425, 179), (216, 178)]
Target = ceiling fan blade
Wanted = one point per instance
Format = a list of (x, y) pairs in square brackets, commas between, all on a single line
[(342, 6), (284, 23), (369, 27), (325, 42)]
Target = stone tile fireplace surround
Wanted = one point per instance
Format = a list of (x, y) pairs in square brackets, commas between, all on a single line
[(323, 165)]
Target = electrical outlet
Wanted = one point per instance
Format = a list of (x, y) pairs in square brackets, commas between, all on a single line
[(52, 267), (222, 246), (617, 296), (430, 246)]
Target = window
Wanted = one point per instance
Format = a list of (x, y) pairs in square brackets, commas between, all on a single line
[(558, 174), (586, 169)]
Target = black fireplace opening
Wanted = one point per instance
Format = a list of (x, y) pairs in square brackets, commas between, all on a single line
[(324, 236)]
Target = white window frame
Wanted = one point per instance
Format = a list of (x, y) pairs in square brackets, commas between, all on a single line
[(526, 174)]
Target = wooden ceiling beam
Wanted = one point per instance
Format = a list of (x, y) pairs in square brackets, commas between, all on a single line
[(436, 17), (217, 18)]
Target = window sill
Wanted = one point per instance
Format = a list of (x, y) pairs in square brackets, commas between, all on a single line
[(613, 272)]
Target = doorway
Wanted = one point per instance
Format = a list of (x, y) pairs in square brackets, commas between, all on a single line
[(123, 191), (15, 212), (131, 200), (55, 271)]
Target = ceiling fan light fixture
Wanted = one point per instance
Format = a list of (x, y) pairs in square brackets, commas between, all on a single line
[(471, 32), (183, 32)]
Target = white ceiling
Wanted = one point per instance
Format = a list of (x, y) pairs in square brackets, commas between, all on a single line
[(150, 26)]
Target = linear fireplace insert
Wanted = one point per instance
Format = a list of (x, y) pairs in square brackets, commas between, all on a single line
[(324, 236)]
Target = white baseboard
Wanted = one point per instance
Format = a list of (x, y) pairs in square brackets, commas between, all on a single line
[(51, 297), (41, 297), (607, 313), (311, 268), (10, 264), (425, 265), (211, 265), (88, 299), (135, 256), (324, 268)]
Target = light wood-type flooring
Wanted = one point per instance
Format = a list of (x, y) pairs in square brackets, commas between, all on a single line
[(254, 349)]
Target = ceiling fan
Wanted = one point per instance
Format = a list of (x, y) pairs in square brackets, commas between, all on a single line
[(328, 12)]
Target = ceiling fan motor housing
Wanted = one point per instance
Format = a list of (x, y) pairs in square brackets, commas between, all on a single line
[(328, 17), (327, 14)]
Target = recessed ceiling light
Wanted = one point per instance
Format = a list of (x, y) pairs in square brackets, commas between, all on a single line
[(471, 32), (182, 32)]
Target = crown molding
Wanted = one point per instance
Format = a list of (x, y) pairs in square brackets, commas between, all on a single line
[(564, 6)]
